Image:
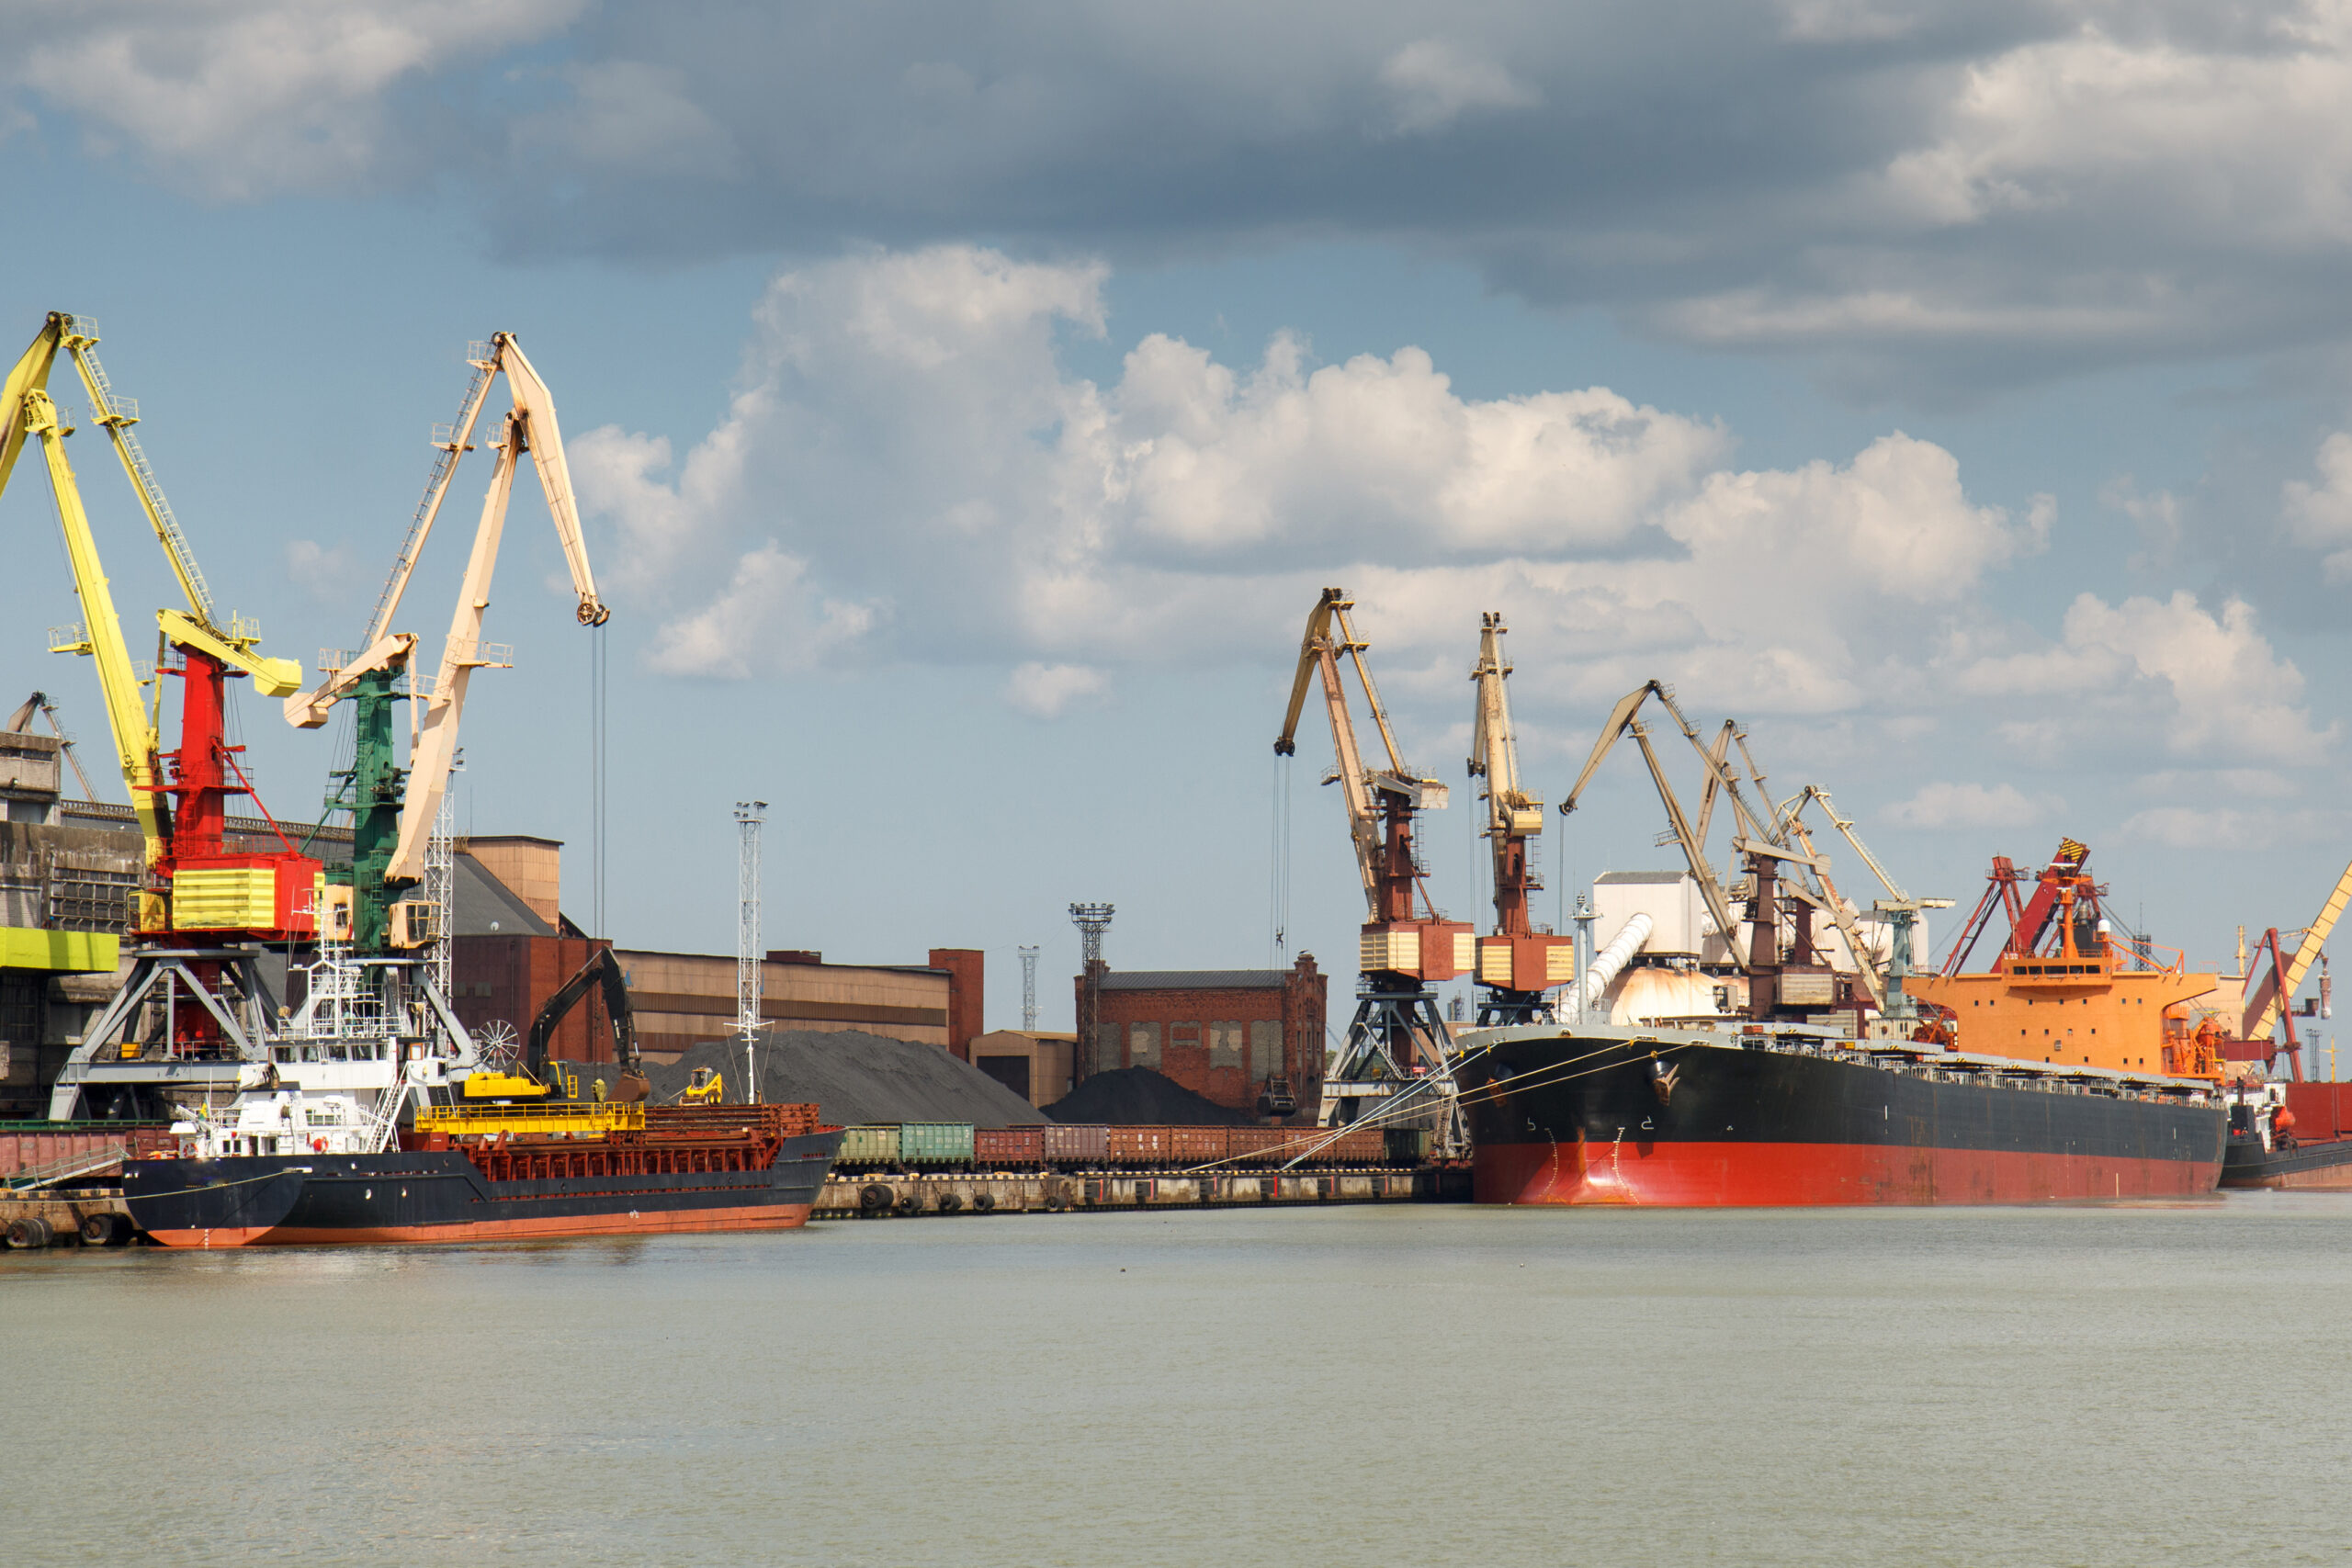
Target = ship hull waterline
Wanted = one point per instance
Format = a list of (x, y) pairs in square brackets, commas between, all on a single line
[(2307, 1167), (439, 1198), (1676, 1119)]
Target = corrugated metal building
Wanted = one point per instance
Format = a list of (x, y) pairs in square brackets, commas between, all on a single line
[(1032, 1062), (1222, 1033)]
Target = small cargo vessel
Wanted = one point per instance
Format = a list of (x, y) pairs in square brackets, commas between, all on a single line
[(2265, 1150), (352, 1132), (287, 1172)]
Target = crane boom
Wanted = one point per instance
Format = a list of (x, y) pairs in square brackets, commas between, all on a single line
[(1517, 964), (2306, 953), (117, 415), (135, 739), (530, 427)]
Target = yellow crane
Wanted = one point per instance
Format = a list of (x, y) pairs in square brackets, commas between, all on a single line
[(1519, 963), (1406, 945), (27, 413), (2278, 984)]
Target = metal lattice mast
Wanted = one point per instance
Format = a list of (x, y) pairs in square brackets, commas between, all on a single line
[(440, 893), (1092, 921), (1028, 990), (748, 815)]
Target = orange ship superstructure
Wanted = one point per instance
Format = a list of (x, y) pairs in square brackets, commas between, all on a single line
[(2064, 991)]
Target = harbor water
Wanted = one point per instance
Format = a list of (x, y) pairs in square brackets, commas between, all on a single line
[(1406, 1385)]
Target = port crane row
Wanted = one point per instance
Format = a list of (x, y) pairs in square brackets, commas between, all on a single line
[(202, 910), (1783, 926)]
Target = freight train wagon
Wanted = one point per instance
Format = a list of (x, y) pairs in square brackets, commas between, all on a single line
[(957, 1146)]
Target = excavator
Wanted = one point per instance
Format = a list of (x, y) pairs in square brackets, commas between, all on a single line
[(602, 971), (1397, 1037), (1519, 965), (393, 809), (203, 903)]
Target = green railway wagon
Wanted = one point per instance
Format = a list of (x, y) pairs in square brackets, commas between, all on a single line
[(935, 1142), (868, 1146)]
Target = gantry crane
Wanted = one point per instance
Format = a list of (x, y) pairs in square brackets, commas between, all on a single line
[(1519, 964), (200, 897), (1397, 1035), (393, 809)]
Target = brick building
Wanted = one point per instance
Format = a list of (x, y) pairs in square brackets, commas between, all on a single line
[(1222, 1033)]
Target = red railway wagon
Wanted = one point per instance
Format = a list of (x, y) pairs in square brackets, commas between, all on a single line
[(1008, 1148), (1197, 1145), (1139, 1147), (1075, 1147)]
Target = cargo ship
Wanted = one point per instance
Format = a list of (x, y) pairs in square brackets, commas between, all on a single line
[(287, 1171), (2070, 1070), (352, 1132), (2267, 1149)]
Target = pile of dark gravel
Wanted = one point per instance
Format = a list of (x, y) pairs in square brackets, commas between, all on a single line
[(1139, 1097), (853, 1078)]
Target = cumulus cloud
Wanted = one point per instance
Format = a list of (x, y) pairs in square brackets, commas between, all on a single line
[(1436, 82), (1945, 806), (1919, 195), (253, 99), (767, 620), (907, 447), (2209, 684), (912, 416), (328, 573), (2319, 516), (2231, 827), (1045, 689)]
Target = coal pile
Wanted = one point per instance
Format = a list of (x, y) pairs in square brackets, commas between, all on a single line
[(1137, 1097), (854, 1077)]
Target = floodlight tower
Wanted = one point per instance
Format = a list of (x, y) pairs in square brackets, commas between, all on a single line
[(1028, 990), (748, 815), (1092, 921)]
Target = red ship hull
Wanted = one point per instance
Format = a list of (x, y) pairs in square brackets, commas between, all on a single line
[(1741, 1175)]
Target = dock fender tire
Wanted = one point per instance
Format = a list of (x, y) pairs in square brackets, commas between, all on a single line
[(29, 1232), (949, 1202), (910, 1202), (983, 1202), (101, 1230), (875, 1197)]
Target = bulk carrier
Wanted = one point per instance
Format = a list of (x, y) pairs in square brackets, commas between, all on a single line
[(2071, 1069)]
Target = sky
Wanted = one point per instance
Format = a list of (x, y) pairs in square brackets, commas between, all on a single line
[(967, 405)]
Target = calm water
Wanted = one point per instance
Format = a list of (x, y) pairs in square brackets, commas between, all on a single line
[(1360, 1386)]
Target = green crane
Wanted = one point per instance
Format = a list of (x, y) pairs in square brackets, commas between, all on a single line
[(392, 807)]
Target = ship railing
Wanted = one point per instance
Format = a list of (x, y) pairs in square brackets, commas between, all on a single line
[(569, 1117)]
